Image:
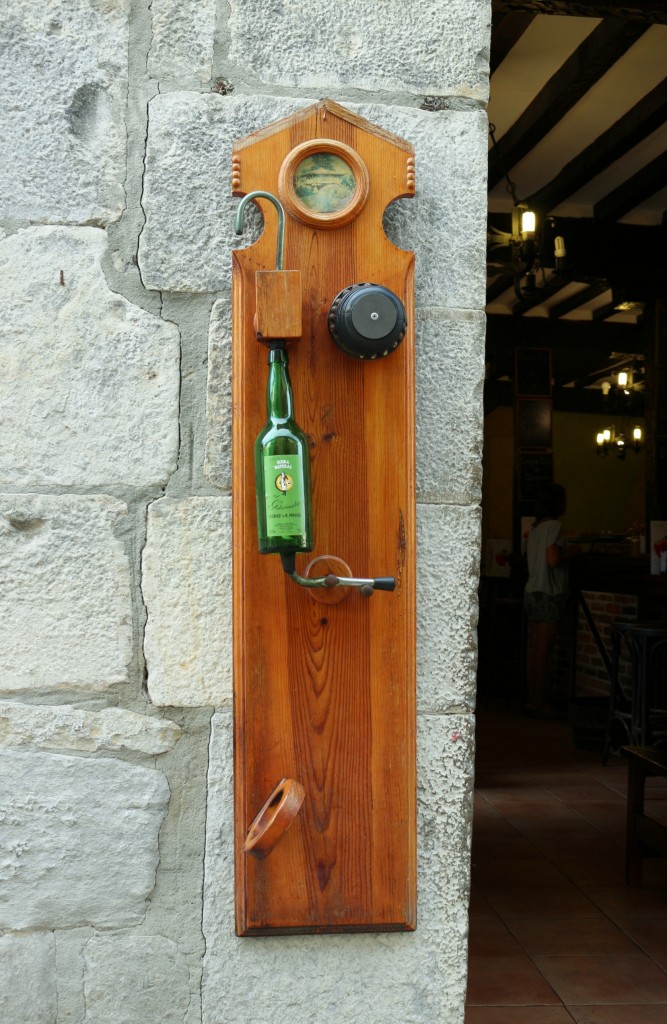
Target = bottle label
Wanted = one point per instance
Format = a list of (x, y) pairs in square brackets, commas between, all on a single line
[(283, 488)]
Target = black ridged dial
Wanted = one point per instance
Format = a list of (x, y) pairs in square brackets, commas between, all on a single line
[(367, 321)]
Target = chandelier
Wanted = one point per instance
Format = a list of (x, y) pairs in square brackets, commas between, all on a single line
[(608, 440)]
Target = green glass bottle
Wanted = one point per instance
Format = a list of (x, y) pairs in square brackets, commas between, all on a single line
[(282, 469)]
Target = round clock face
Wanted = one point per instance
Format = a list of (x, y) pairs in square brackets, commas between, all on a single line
[(324, 183)]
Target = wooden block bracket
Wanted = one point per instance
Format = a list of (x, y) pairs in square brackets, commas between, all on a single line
[(278, 304)]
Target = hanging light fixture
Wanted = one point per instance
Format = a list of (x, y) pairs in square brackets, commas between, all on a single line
[(525, 243)]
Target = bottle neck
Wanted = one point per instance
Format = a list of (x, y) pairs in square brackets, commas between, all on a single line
[(279, 402)]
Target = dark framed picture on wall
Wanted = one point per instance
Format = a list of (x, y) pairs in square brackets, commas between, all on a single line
[(533, 422), (535, 471)]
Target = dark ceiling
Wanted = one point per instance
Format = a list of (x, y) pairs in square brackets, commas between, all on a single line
[(578, 106)]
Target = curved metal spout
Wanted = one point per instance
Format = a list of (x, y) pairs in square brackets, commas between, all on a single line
[(366, 586), (280, 240)]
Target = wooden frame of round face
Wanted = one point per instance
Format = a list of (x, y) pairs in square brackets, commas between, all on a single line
[(297, 208)]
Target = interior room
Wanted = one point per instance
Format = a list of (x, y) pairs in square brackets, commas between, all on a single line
[(575, 394)]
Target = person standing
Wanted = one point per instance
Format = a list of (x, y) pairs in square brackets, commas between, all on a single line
[(545, 596)]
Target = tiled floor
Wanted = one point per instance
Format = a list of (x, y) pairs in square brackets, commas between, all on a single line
[(555, 934)]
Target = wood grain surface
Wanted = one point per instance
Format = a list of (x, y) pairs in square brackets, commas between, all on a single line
[(325, 694)]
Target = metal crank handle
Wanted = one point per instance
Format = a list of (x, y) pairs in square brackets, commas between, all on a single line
[(365, 586)]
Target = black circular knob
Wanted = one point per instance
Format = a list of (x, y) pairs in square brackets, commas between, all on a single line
[(367, 321)]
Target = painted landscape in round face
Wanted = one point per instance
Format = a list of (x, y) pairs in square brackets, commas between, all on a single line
[(324, 182)]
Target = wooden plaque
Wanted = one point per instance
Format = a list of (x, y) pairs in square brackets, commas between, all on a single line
[(324, 693)]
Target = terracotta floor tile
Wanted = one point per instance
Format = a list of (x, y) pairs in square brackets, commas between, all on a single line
[(583, 841), (479, 906), (583, 790), (608, 870), (542, 819), (504, 847), (656, 809), (655, 872), (627, 900), (491, 826), (483, 809), (517, 1015), (616, 781), (502, 795), (507, 980), (656, 1014), (512, 902), (495, 775), (601, 813), (549, 879), (495, 873), (650, 933), (606, 979), (490, 937), (571, 775), (573, 936), (534, 825)]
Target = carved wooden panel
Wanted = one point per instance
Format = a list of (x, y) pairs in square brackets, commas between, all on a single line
[(324, 693)]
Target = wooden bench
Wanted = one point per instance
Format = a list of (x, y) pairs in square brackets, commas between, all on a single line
[(642, 832)]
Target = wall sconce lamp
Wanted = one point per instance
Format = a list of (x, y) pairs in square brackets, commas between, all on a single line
[(623, 392)]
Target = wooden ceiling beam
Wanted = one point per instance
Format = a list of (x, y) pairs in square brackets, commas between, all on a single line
[(589, 62), (498, 285), (540, 295), (642, 185), (605, 311), (577, 300), (630, 129), (640, 10), (503, 331), (508, 27)]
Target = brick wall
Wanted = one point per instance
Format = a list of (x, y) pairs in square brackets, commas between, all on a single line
[(592, 678)]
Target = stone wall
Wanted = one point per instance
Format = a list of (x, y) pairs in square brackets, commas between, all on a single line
[(116, 886)]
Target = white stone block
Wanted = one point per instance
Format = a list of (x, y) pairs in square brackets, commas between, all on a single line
[(61, 727), (383, 978), (437, 47), (65, 604), (182, 40), (78, 840), (187, 585), (64, 87), (450, 415), (445, 223), (28, 993), (218, 459), (448, 539), (185, 245), (135, 979), (88, 381), (189, 230)]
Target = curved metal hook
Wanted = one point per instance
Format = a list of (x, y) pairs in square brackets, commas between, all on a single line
[(280, 241)]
